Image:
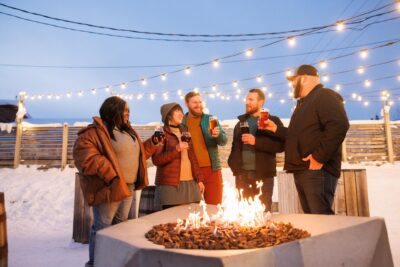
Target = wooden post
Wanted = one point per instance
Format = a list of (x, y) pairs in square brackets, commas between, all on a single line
[(18, 141), (388, 131), (351, 196), (344, 150), (287, 193), (82, 215), (3, 233), (64, 151), (19, 118)]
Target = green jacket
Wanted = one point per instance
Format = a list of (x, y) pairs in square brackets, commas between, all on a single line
[(211, 142)]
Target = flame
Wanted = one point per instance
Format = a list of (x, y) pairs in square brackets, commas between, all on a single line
[(234, 209)]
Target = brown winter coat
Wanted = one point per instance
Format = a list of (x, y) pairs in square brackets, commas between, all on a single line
[(95, 158), (168, 161)]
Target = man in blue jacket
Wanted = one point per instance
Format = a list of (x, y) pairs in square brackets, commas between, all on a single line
[(313, 140), (206, 144)]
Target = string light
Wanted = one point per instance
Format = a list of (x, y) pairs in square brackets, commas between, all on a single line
[(235, 84), (366, 103), (325, 78), (144, 81), (354, 95), (292, 41), (196, 90), (58, 97), (338, 87), (215, 63), (69, 95), (188, 70), (259, 78), (80, 93), (290, 94), (152, 96), (237, 96), (364, 53), (359, 98), (163, 76), (340, 25), (282, 101), (290, 84), (179, 92), (249, 52), (93, 91), (269, 95), (239, 91), (40, 97), (139, 96), (323, 64), (108, 88), (123, 85), (391, 103), (49, 96), (214, 87), (264, 88), (367, 83), (361, 70), (385, 95)]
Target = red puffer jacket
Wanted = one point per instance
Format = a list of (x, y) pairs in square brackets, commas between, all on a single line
[(168, 160)]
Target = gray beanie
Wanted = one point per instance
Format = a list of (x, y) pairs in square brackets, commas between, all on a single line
[(166, 108)]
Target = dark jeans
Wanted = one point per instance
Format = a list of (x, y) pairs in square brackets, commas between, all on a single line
[(247, 182), (316, 190)]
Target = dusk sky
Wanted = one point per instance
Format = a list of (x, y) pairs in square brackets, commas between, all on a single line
[(45, 60)]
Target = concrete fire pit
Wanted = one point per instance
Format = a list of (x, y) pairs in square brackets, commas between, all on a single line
[(334, 241)]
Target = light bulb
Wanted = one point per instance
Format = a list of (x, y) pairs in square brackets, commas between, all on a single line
[(364, 53), (259, 78), (340, 25), (249, 52), (188, 70), (215, 63), (163, 76), (292, 41), (323, 64)]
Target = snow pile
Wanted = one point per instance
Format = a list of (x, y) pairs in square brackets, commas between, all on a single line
[(39, 206)]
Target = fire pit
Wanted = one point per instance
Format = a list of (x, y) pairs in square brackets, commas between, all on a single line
[(239, 224), (230, 236)]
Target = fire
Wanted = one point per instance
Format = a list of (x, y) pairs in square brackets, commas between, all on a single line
[(234, 210)]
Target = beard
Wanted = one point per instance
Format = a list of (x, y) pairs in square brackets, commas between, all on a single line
[(196, 112), (251, 110), (297, 90)]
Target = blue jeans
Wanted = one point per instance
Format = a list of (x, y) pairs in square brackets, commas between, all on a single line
[(316, 190), (107, 214)]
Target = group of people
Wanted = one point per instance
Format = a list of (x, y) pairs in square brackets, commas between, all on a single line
[(186, 154)]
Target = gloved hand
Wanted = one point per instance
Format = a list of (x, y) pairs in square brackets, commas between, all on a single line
[(157, 138)]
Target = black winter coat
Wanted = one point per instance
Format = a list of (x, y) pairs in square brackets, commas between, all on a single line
[(266, 147), (318, 126)]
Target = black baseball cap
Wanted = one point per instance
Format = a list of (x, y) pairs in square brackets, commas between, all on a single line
[(304, 70)]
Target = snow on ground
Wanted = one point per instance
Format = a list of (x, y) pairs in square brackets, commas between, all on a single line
[(39, 207)]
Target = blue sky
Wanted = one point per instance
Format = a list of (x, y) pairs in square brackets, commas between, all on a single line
[(27, 43)]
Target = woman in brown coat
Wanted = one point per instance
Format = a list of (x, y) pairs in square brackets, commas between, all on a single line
[(178, 177), (111, 160)]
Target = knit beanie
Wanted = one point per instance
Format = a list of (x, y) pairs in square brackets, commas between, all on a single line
[(166, 109)]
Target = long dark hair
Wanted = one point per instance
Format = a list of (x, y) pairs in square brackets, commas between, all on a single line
[(112, 114)]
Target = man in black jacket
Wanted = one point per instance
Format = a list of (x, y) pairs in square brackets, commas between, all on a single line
[(252, 156), (313, 140)]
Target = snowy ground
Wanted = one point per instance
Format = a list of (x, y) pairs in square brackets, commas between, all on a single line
[(39, 207)]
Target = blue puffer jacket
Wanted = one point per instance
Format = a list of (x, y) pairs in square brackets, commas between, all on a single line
[(211, 142)]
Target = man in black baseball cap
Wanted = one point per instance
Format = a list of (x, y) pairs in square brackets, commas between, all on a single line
[(311, 79), (313, 140)]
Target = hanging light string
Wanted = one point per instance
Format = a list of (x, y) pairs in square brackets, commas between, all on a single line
[(248, 59), (348, 20), (144, 80), (340, 25)]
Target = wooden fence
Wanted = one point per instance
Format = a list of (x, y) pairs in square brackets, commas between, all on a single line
[(53, 145)]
